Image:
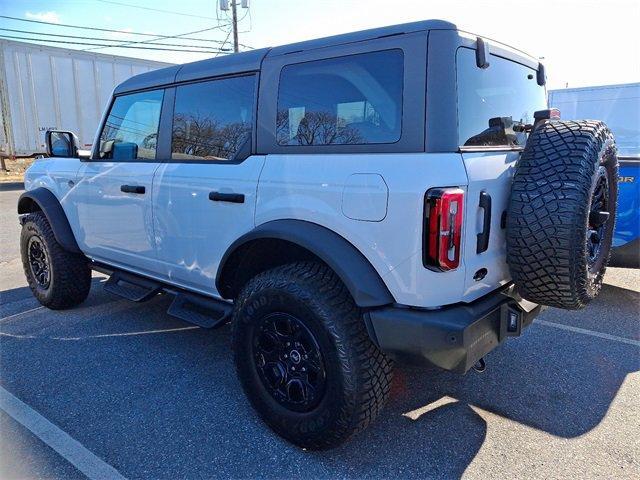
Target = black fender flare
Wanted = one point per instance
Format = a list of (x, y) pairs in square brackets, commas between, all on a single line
[(50, 206), (356, 272)]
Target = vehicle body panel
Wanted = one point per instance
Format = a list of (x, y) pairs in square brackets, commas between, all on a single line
[(311, 188), (111, 225), (193, 232)]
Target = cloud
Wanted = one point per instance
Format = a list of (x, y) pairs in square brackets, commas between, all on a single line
[(51, 17)]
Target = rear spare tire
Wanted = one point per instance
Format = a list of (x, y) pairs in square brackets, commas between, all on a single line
[(562, 212)]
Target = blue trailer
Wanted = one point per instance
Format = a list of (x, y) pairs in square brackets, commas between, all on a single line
[(619, 107)]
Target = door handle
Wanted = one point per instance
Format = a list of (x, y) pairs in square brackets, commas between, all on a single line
[(139, 189), (226, 197), (483, 237)]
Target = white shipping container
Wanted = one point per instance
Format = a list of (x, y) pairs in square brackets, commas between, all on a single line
[(44, 88)]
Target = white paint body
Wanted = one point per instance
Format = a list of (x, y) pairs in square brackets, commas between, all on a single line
[(375, 201), (44, 88)]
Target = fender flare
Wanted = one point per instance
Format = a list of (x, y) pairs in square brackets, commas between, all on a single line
[(352, 267), (50, 206)]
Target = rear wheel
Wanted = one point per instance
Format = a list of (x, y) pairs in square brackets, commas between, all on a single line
[(304, 357), (562, 212), (58, 279)]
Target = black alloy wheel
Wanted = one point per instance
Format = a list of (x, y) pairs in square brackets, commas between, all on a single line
[(598, 218), (39, 261), (289, 362)]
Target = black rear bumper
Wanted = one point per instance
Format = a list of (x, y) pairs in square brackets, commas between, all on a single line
[(627, 255), (453, 337)]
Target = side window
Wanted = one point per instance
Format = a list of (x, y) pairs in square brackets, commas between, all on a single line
[(504, 89), (131, 129), (212, 120), (354, 100)]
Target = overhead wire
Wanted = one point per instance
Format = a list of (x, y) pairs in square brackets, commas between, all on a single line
[(172, 12), (107, 29), (102, 39), (107, 45)]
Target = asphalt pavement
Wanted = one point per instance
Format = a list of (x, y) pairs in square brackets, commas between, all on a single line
[(156, 398)]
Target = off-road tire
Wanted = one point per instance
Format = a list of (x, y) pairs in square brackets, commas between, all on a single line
[(358, 374), (548, 214), (70, 275)]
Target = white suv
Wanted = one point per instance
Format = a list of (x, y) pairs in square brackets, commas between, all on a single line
[(397, 192)]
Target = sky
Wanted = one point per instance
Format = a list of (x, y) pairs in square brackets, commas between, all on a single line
[(581, 42)]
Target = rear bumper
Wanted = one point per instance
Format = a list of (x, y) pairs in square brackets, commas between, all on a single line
[(627, 255), (453, 337)]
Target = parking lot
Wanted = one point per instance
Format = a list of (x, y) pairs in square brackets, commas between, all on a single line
[(153, 397)]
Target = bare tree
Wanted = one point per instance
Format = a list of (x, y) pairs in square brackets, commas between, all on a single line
[(317, 128)]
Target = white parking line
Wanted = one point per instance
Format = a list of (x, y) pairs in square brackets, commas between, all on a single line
[(584, 331), (69, 448), (103, 335), (20, 313)]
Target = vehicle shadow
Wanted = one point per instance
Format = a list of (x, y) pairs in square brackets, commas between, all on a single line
[(160, 398)]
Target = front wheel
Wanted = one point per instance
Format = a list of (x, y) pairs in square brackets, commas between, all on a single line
[(58, 279), (304, 357)]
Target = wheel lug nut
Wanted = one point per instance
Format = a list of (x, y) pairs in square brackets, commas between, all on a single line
[(286, 356), (304, 369), (293, 368)]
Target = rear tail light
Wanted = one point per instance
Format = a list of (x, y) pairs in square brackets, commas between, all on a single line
[(443, 208)]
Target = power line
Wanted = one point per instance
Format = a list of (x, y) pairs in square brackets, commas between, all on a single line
[(106, 45), (225, 41), (108, 29), (102, 39), (157, 10)]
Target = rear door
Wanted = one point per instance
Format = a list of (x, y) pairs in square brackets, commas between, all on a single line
[(205, 192), (509, 90)]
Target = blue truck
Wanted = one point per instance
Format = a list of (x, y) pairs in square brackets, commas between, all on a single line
[(619, 107)]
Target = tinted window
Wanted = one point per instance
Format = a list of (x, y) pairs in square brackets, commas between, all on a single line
[(347, 100), (505, 89), (131, 129), (212, 120)]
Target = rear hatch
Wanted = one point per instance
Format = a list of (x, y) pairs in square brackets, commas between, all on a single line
[(493, 102), (487, 198)]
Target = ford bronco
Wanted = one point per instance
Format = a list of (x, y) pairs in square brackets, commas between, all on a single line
[(401, 192)]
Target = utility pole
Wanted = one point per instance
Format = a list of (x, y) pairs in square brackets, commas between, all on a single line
[(234, 16), (224, 6)]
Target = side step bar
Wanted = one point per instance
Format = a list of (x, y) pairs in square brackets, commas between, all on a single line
[(132, 287), (190, 307), (201, 311)]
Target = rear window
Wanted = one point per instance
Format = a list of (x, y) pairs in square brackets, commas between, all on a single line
[(355, 100), (504, 89)]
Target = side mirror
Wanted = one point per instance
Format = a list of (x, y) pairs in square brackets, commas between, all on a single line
[(61, 143)]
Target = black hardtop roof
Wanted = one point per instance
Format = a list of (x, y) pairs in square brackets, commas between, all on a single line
[(251, 60)]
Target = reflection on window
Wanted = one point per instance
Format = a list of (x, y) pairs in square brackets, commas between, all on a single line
[(131, 129), (212, 120), (506, 92), (347, 100)]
